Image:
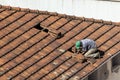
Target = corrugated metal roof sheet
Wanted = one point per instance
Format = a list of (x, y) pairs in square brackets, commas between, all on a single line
[(29, 53)]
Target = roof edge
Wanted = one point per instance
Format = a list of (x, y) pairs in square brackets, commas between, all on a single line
[(61, 15), (100, 65)]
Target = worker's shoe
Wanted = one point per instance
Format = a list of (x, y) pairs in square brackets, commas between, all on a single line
[(91, 60)]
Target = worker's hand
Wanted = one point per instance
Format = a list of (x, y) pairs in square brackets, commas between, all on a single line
[(78, 51), (74, 49)]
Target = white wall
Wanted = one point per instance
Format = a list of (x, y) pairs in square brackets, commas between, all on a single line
[(116, 74), (88, 8), (113, 75), (105, 72)]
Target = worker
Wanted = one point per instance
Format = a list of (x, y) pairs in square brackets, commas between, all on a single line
[(87, 47)]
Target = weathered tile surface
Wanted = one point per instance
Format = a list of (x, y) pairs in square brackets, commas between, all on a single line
[(27, 52)]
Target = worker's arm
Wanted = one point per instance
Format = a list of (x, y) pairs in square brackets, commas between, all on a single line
[(77, 51), (74, 52)]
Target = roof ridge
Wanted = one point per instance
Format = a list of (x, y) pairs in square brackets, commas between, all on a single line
[(61, 15)]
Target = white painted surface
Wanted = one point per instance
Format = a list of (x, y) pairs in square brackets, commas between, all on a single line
[(113, 75), (88, 8)]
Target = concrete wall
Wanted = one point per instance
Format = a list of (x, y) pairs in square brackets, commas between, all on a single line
[(101, 74), (114, 70), (106, 72), (109, 71), (99, 9), (114, 76)]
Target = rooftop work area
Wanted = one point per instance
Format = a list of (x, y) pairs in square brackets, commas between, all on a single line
[(29, 51)]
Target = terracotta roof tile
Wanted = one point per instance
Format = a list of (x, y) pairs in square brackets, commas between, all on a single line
[(28, 51)]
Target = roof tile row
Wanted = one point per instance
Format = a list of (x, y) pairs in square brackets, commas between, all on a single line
[(27, 52)]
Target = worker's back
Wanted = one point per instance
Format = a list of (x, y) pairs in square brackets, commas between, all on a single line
[(88, 44)]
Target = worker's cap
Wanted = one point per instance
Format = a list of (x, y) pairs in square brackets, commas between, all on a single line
[(78, 44)]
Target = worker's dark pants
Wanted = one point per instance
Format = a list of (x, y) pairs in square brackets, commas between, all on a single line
[(92, 53)]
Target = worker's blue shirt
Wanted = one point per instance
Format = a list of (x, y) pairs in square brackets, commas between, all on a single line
[(87, 44)]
